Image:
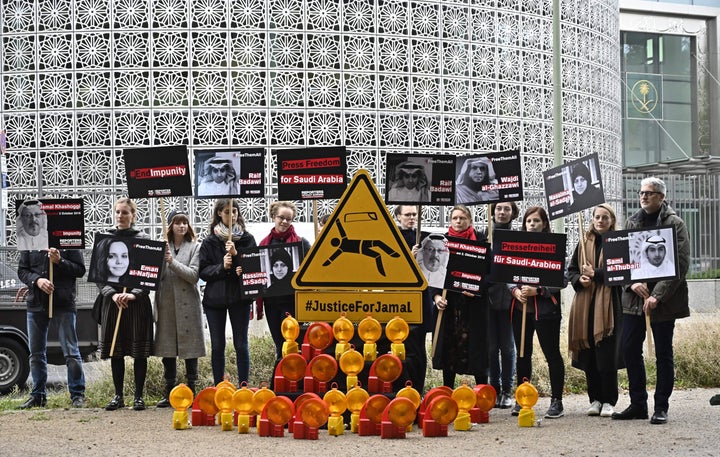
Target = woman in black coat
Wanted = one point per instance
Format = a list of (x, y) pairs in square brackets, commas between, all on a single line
[(220, 269)]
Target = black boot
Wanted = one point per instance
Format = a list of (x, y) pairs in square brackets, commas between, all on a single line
[(165, 402)]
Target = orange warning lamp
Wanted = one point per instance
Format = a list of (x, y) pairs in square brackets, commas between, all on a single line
[(223, 401), (466, 399), (319, 372), (181, 398), (204, 409), (288, 372), (276, 412), (351, 363), (485, 397), (526, 395), (356, 398), (337, 404), (429, 396), (242, 401), (312, 413), (439, 413), (370, 331), (296, 424), (386, 369), (343, 330), (290, 330), (411, 394), (371, 415), (318, 336), (398, 415), (396, 331)]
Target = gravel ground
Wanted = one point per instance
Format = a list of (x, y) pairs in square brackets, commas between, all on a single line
[(692, 430)]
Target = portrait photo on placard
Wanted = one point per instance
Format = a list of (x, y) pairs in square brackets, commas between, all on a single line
[(280, 264), (31, 225), (419, 179), (488, 178), (217, 174), (640, 255), (573, 187), (126, 261), (432, 258)]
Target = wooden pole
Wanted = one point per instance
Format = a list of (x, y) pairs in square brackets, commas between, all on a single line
[(117, 327), (489, 224), (50, 298), (437, 326), (316, 226), (583, 238), (418, 235), (648, 330), (229, 221)]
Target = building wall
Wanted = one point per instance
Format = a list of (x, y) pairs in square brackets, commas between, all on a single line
[(82, 79)]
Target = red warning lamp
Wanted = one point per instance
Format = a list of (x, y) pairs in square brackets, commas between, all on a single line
[(310, 414), (398, 415), (371, 415), (356, 398), (275, 414), (204, 409), (290, 330), (386, 369), (351, 363), (318, 337), (296, 426), (343, 330), (288, 372), (397, 330), (485, 397), (439, 413), (369, 330), (429, 396), (319, 372)]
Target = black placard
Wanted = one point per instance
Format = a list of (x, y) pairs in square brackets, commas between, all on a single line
[(230, 173), (135, 263), (533, 258), (573, 187), (268, 270), (55, 223), (640, 255), (468, 265), (488, 178), (311, 173), (157, 172), (419, 179)]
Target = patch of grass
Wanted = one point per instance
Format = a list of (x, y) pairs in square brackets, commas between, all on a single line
[(39, 416)]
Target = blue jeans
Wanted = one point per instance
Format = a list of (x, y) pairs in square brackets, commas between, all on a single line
[(38, 323), (633, 337), (501, 342), (239, 321)]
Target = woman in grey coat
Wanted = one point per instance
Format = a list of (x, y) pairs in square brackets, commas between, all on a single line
[(179, 331)]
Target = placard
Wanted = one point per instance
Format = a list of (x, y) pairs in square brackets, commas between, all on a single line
[(532, 258), (488, 178), (311, 173), (56, 223), (268, 270), (647, 254), (157, 172), (134, 263), (230, 173), (468, 265), (419, 179), (573, 187), (432, 258)]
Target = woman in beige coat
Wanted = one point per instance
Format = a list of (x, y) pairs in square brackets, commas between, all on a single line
[(179, 330)]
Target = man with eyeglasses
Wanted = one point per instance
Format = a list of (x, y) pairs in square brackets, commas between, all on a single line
[(31, 226), (663, 301)]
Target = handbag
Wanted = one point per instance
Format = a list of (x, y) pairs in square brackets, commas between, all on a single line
[(97, 308)]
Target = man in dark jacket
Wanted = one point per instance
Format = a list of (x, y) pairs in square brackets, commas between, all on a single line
[(663, 301), (33, 270)]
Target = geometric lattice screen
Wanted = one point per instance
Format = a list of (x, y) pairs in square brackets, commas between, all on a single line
[(83, 79)]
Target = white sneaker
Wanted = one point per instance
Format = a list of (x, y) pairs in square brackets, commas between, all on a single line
[(607, 410), (594, 409)]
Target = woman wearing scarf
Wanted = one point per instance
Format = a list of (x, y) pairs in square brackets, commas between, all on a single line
[(462, 345), (220, 269), (282, 214), (595, 317)]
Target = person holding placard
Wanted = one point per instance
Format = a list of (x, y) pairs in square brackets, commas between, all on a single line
[(595, 316), (282, 213), (135, 332), (501, 343), (33, 270), (664, 302), (179, 328), (543, 316), (220, 269), (462, 340)]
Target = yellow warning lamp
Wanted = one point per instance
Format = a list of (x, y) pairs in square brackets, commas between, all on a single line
[(290, 330), (466, 399), (526, 395), (223, 401), (337, 404), (260, 399), (356, 398), (369, 330), (318, 336), (181, 398), (226, 383), (351, 363), (343, 330), (396, 331), (383, 372), (411, 394), (242, 401)]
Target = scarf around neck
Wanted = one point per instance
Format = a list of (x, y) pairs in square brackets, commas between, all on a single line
[(468, 233), (288, 236), (602, 318), (221, 231)]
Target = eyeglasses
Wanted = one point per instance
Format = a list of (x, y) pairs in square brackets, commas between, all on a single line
[(648, 193), (285, 219), (410, 214)]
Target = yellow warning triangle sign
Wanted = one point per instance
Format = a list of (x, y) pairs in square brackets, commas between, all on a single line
[(360, 247)]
